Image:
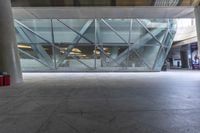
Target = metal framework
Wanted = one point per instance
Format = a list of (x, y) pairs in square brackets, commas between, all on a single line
[(128, 49)]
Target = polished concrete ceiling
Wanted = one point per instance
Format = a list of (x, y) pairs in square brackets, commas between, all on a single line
[(39, 3)]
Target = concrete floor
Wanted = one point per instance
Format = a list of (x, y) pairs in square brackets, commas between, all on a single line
[(166, 102)]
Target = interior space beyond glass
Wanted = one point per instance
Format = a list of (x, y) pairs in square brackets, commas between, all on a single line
[(94, 44)]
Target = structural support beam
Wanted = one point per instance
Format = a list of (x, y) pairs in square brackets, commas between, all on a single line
[(116, 33), (143, 40), (37, 48), (100, 44), (75, 41), (9, 57), (166, 2), (29, 55), (197, 16)]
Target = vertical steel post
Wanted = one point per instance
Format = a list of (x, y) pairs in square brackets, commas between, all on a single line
[(53, 45)]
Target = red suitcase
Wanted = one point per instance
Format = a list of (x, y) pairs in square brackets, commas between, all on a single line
[(1, 80), (6, 80)]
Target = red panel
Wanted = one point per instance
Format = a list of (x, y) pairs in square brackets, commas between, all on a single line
[(1, 80), (6, 80)]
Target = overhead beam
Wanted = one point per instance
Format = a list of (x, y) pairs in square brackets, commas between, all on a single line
[(113, 2), (196, 2), (166, 2), (76, 2), (102, 12), (57, 2)]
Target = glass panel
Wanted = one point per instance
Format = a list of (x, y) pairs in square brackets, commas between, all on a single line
[(39, 26), (94, 44), (112, 37), (36, 52), (136, 63), (62, 33), (161, 58), (32, 60), (155, 30), (78, 51)]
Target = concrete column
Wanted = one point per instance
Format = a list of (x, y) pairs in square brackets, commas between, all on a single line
[(197, 17), (9, 57), (184, 56)]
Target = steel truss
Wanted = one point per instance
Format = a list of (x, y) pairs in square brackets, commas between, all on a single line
[(115, 59)]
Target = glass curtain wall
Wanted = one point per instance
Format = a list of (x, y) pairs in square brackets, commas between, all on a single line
[(94, 44)]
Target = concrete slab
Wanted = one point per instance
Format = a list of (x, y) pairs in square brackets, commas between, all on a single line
[(166, 102)]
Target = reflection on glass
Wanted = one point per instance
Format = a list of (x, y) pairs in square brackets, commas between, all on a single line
[(94, 44)]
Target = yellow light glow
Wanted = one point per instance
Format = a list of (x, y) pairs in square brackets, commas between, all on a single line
[(62, 52), (24, 46), (63, 49), (74, 53), (76, 50), (97, 52), (105, 49)]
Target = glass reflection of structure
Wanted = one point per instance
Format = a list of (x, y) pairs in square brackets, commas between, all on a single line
[(94, 44)]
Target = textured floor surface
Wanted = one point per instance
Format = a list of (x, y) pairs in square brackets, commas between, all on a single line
[(166, 102)]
